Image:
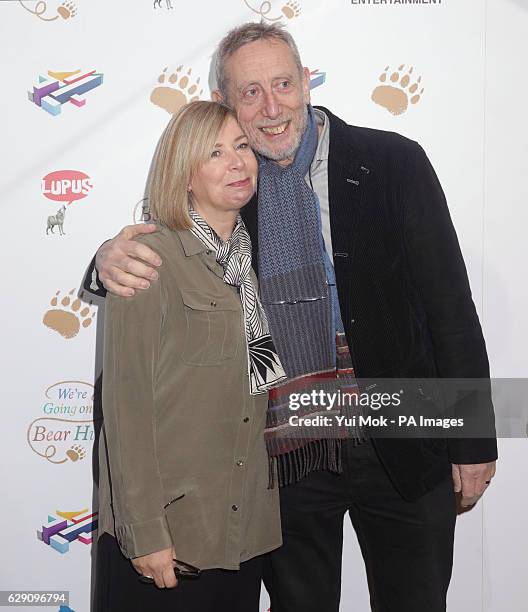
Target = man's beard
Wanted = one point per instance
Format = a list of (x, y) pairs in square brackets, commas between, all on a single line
[(290, 152)]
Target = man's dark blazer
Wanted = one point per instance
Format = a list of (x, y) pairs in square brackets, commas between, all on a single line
[(403, 289), (402, 284)]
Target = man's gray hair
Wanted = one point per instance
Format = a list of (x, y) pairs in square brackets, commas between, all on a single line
[(245, 34)]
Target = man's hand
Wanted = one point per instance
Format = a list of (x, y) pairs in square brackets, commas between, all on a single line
[(158, 565), (118, 261), (472, 480)]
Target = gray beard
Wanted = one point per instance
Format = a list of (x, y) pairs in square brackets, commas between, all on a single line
[(289, 153)]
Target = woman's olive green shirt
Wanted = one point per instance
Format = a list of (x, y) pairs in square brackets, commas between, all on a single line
[(183, 436)]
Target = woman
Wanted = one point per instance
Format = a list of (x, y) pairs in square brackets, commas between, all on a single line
[(184, 400)]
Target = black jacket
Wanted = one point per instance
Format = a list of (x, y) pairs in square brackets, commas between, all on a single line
[(403, 288)]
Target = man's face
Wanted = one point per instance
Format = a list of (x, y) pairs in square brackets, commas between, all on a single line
[(269, 97)]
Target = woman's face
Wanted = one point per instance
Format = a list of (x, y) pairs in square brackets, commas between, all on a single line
[(227, 180)]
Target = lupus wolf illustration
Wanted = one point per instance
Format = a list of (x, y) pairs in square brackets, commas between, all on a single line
[(57, 219)]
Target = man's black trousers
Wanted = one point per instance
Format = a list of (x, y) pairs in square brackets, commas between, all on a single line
[(407, 546)]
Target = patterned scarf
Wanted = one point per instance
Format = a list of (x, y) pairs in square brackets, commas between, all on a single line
[(292, 275), (297, 287), (234, 255)]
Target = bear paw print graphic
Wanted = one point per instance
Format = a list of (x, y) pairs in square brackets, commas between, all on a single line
[(66, 316), (76, 453), (397, 90), (67, 10), (291, 9), (176, 89)]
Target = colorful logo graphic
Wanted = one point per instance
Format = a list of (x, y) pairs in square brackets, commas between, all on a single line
[(58, 88), (66, 10), (175, 90), (65, 186), (68, 315), (65, 432), (67, 527), (290, 10), (401, 88), (317, 78)]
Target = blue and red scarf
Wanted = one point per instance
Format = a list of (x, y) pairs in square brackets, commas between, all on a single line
[(299, 297)]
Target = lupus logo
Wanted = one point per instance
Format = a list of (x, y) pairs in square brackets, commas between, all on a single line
[(317, 78), (65, 186), (56, 89), (64, 528), (65, 431)]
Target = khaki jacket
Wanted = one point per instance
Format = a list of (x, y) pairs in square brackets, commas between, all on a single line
[(183, 436)]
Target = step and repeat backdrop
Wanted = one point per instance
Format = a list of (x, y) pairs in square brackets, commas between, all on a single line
[(87, 88)]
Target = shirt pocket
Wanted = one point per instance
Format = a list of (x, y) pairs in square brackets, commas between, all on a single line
[(213, 327)]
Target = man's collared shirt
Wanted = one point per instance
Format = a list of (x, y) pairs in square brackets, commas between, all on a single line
[(317, 177)]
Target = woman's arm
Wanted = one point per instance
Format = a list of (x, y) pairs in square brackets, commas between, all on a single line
[(131, 347)]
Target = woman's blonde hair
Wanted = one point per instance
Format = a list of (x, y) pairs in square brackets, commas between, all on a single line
[(186, 143)]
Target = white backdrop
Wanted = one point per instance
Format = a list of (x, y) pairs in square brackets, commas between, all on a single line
[(470, 118)]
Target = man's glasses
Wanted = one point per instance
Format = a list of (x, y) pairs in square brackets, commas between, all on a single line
[(302, 300), (299, 301)]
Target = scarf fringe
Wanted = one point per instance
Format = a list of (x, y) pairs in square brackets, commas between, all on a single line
[(317, 455)]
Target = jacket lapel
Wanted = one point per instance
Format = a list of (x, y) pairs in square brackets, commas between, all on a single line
[(348, 177)]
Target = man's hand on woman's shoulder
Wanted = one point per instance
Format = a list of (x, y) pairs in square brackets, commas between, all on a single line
[(124, 264)]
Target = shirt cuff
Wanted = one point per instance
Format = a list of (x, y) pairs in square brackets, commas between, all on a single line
[(144, 538)]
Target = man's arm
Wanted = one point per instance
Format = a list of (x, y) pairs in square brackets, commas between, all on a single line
[(122, 265), (440, 277)]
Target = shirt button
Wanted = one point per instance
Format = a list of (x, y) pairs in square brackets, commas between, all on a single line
[(352, 321), (234, 507), (246, 419), (240, 463), (213, 304)]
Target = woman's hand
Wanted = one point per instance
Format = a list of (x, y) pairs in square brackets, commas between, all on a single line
[(158, 565)]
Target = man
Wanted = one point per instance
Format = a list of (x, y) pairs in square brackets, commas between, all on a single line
[(399, 289)]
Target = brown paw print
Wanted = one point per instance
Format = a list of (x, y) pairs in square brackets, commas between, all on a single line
[(68, 318), (67, 10), (76, 453), (176, 89), (291, 9), (398, 92)]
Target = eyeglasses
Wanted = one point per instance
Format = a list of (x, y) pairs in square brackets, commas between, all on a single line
[(302, 300), (299, 301), (181, 569)]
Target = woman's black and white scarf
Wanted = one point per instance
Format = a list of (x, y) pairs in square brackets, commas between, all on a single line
[(234, 255)]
